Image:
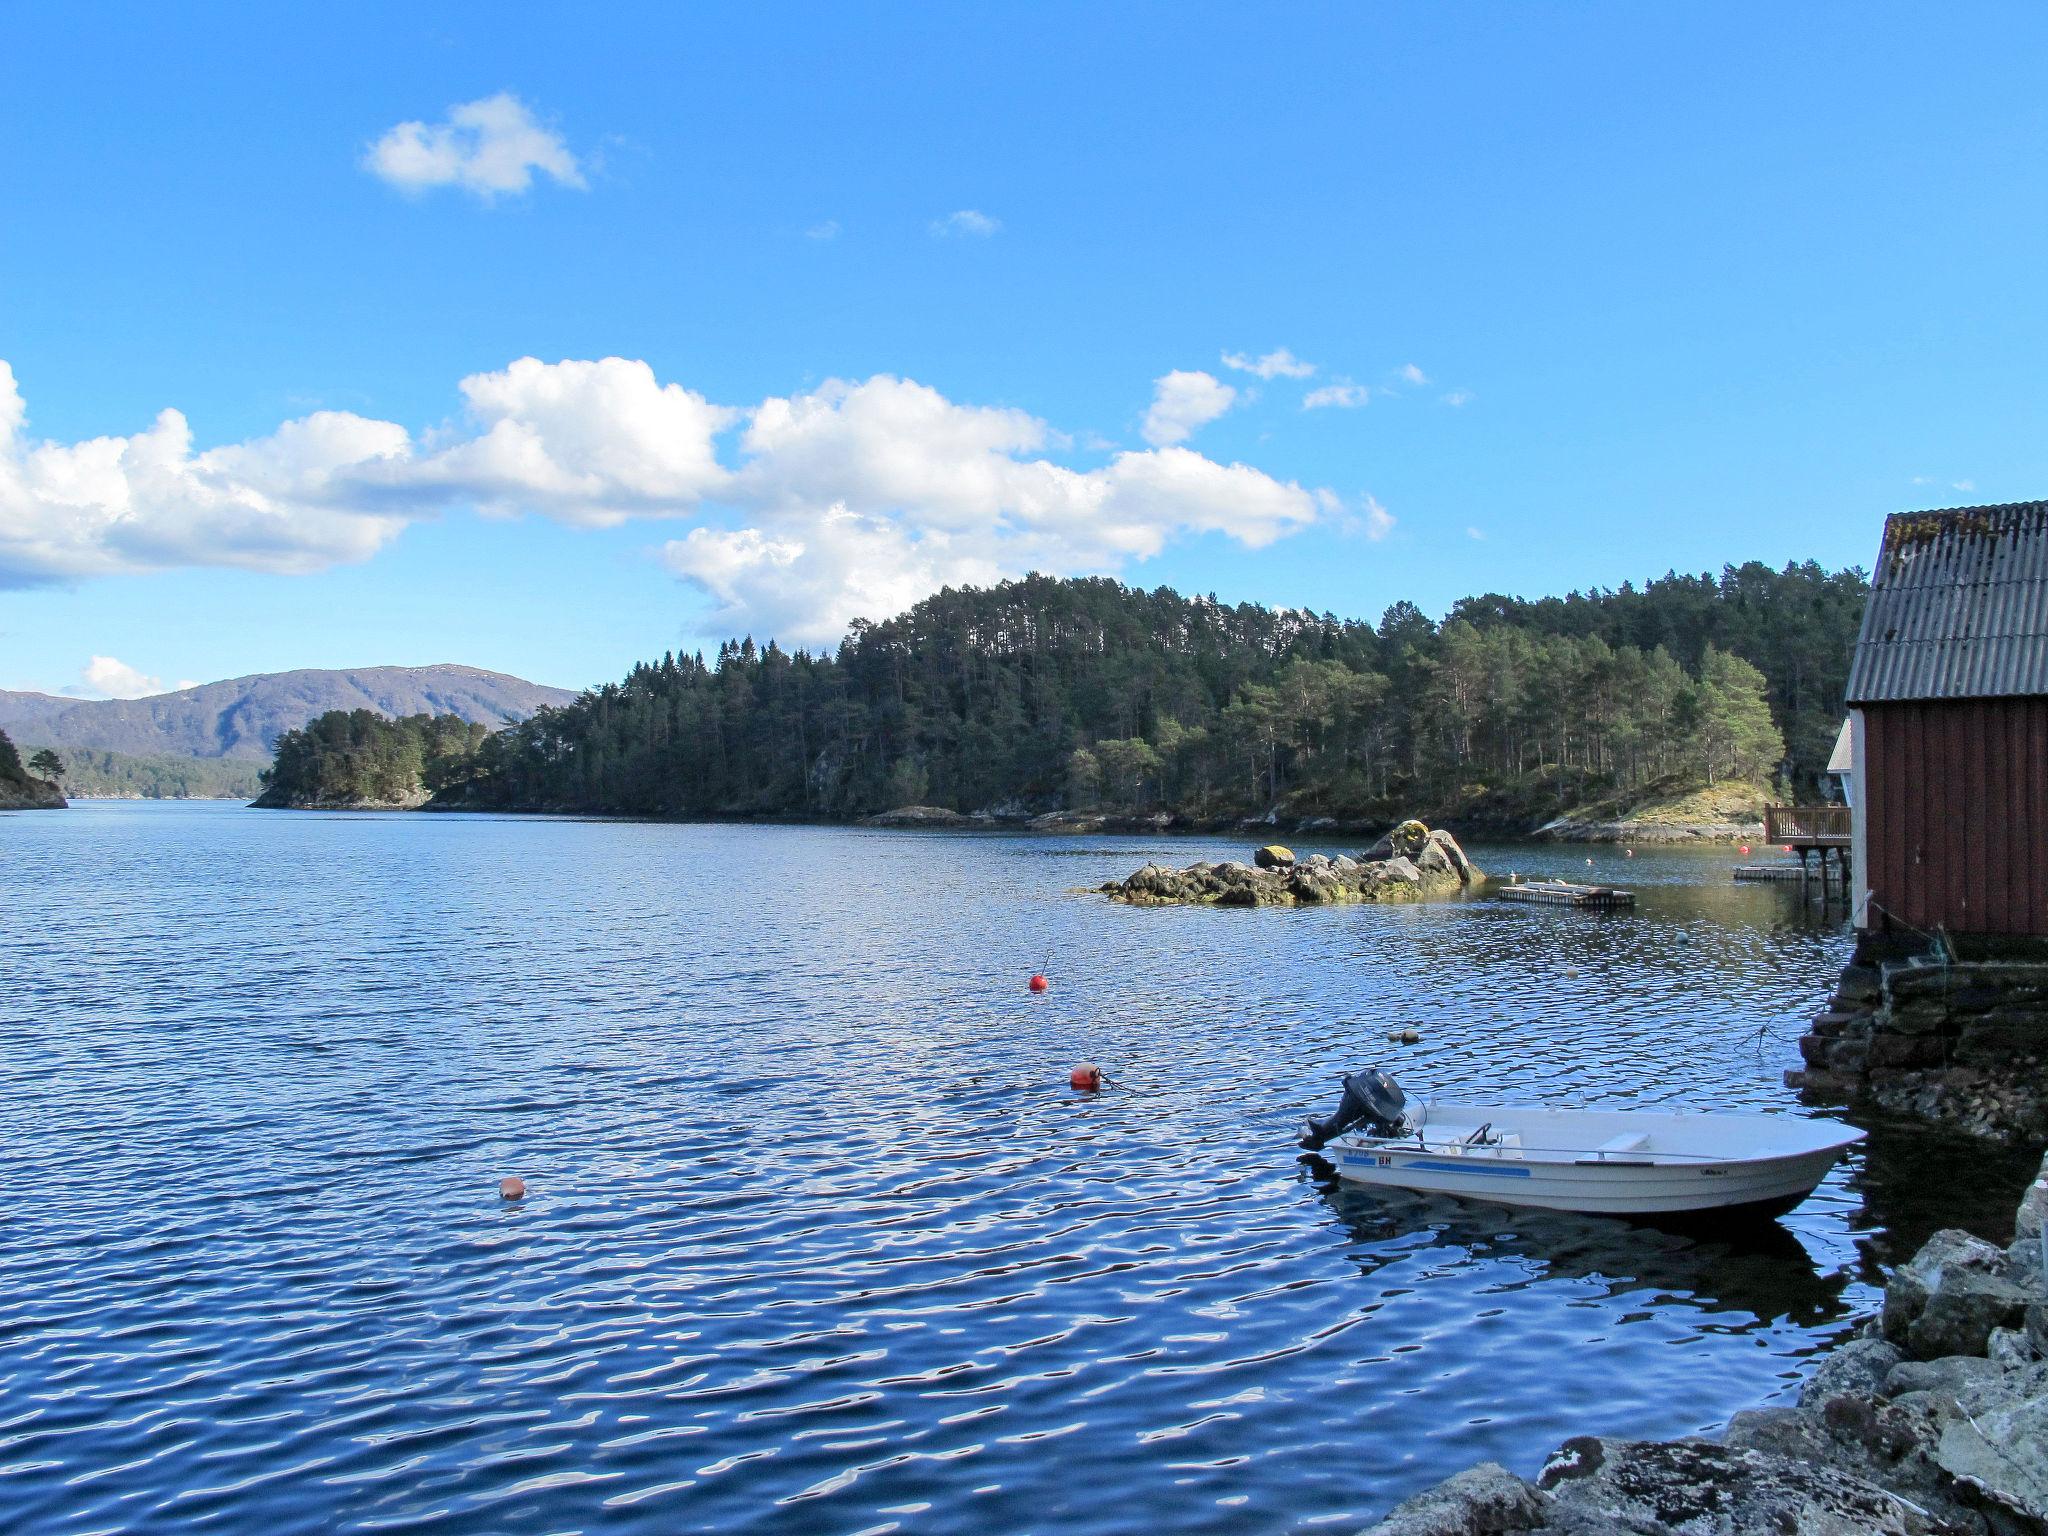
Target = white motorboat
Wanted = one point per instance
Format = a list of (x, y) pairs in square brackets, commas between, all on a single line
[(1611, 1162)]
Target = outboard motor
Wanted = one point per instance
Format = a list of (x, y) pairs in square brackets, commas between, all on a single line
[(1371, 1098)]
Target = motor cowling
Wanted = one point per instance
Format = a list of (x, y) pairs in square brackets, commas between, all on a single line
[(1371, 1099)]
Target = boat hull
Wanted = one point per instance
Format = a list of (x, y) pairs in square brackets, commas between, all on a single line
[(1763, 1186)]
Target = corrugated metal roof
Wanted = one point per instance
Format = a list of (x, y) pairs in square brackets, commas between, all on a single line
[(1958, 607)]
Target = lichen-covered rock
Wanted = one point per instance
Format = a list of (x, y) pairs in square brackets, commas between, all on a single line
[(1276, 878), (1703, 1489)]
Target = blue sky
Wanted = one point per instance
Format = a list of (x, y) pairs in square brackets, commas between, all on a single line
[(1594, 291)]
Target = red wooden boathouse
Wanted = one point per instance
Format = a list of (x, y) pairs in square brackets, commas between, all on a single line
[(1949, 695)]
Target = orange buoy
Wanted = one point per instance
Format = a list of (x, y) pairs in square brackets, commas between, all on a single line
[(1038, 981), (1085, 1078), (513, 1188)]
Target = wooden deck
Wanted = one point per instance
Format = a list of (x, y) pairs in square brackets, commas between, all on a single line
[(1561, 893), (1807, 826)]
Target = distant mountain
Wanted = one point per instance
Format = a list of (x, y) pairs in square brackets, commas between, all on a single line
[(243, 717)]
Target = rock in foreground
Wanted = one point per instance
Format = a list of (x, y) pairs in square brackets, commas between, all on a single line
[(1411, 863)]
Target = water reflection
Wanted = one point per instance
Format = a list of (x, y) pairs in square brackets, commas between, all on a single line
[(1748, 1277)]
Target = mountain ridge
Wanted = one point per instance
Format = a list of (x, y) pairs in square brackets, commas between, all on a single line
[(240, 718)]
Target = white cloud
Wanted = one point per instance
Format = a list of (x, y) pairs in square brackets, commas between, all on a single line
[(1458, 397), (586, 443), (1277, 364), (1410, 374), (489, 147), (277, 503), (1345, 396), (1476, 533), (827, 230), (1182, 402), (1379, 522), (854, 498), (970, 223), (112, 679), (1964, 485)]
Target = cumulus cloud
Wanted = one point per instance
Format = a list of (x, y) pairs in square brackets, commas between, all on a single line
[(852, 499), (1344, 396), (586, 443), (489, 148), (1277, 364), (109, 678), (1410, 374), (967, 223), (1379, 522), (1183, 402), (132, 503)]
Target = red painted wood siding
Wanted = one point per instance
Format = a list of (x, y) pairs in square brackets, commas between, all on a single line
[(1957, 805)]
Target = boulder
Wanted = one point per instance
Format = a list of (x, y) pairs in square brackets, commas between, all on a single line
[(1995, 1441), (1951, 1295), (1273, 856), (1487, 1499), (1860, 1365), (1402, 871), (1443, 840)]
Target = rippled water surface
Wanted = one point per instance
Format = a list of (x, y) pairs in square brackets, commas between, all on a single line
[(818, 1239)]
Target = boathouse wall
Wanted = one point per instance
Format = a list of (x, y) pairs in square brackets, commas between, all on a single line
[(1955, 802)]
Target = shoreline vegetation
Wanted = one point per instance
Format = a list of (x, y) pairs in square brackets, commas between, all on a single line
[(1085, 705)]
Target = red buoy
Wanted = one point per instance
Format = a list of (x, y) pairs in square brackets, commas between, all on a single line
[(1085, 1078), (1038, 981), (1743, 849), (513, 1188)]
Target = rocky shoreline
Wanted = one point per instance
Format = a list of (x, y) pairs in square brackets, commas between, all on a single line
[(1931, 1421), (1411, 863), (29, 794)]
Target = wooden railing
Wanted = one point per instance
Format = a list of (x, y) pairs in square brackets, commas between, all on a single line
[(1810, 826)]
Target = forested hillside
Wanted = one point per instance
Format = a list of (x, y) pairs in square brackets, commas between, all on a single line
[(1040, 694)]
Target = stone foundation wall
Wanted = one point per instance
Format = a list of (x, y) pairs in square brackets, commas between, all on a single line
[(1959, 1042)]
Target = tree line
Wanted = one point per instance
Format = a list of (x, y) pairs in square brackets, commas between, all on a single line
[(1041, 694)]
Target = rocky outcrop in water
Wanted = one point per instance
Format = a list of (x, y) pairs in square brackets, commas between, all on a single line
[(1411, 863), (1932, 1422)]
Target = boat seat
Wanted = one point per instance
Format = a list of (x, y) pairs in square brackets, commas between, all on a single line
[(1627, 1141)]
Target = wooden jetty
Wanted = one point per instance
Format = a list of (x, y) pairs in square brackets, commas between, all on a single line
[(1770, 872), (1562, 893)]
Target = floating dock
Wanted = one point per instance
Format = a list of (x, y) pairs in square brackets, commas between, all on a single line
[(1771, 872), (1561, 893)]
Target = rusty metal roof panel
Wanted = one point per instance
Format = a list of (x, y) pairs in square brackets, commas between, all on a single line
[(1958, 607)]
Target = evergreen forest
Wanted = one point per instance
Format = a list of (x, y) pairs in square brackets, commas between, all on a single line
[(1085, 694)]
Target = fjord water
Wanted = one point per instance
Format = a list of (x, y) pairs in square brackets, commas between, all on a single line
[(818, 1240)]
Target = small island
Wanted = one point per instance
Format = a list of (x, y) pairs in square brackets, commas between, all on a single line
[(357, 760), (1411, 863)]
